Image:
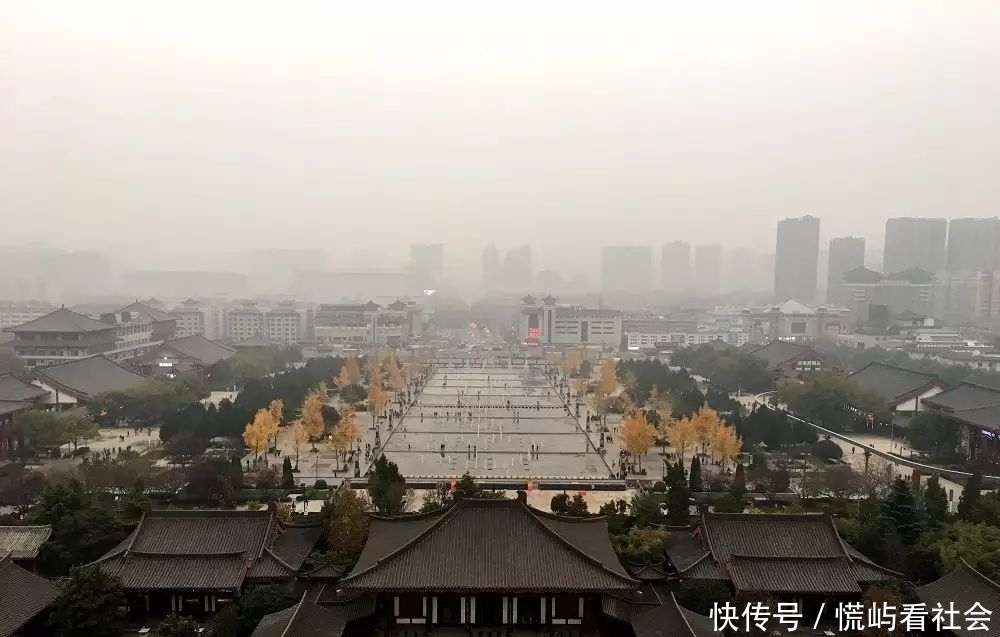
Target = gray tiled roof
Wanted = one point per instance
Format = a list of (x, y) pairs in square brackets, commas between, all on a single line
[(657, 614), (23, 595), (893, 383), (90, 376), (143, 571), (792, 575), (964, 586), (307, 619), (783, 553), (62, 320), (205, 550), (862, 274), (912, 275), (974, 404), (487, 545), (648, 573), (294, 543), (199, 348), (23, 541), (13, 388), (13, 406), (777, 352)]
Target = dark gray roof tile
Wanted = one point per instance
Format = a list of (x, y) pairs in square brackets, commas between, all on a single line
[(14, 389), (199, 348), (23, 541), (964, 586), (23, 595), (87, 377), (489, 545), (894, 384)]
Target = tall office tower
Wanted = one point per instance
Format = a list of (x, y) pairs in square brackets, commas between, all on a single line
[(491, 268), (974, 245), (846, 253), (675, 266), (427, 262), (627, 268), (518, 269), (914, 243), (796, 258), (708, 268)]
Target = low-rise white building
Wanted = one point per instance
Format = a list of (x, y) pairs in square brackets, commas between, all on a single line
[(13, 313), (545, 323), (368, 324)]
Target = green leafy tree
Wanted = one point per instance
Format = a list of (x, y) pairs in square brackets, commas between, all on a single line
[(702, 595), (264, 600), (728, 503), (933, 434), (968, 502), (826, 398), (175, 625), (90, 604), (646, 509), (616, 513), (641, 545), (387, 487), (935, 500), (694, 476), (900, 512), (346, 513), (977, 544), (41, 429), (82, 529), (77, 429)]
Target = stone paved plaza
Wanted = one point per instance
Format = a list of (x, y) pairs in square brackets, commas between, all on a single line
[(493, 423)]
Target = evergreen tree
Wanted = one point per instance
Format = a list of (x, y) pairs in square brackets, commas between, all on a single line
[(387, 487), (678, 495), (739, 481), (287, 477), (694, 477), (935, 500), (900, 513), (968, 502)]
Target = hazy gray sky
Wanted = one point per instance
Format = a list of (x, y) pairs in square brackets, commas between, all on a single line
[(192, 126)]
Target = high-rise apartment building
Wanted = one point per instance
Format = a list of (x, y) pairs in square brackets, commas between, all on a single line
[(427, 262), (796, 259), (914, 243), (708, 268), (846, 254), (627, 268), (491, 268), (675, 266), (518, 268), (974, 245)]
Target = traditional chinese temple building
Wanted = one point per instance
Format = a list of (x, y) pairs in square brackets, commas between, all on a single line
[(790, 557), (498, 565), (195, 562)]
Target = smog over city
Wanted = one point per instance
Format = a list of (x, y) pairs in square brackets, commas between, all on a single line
[(496, 319), (182, 136)]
